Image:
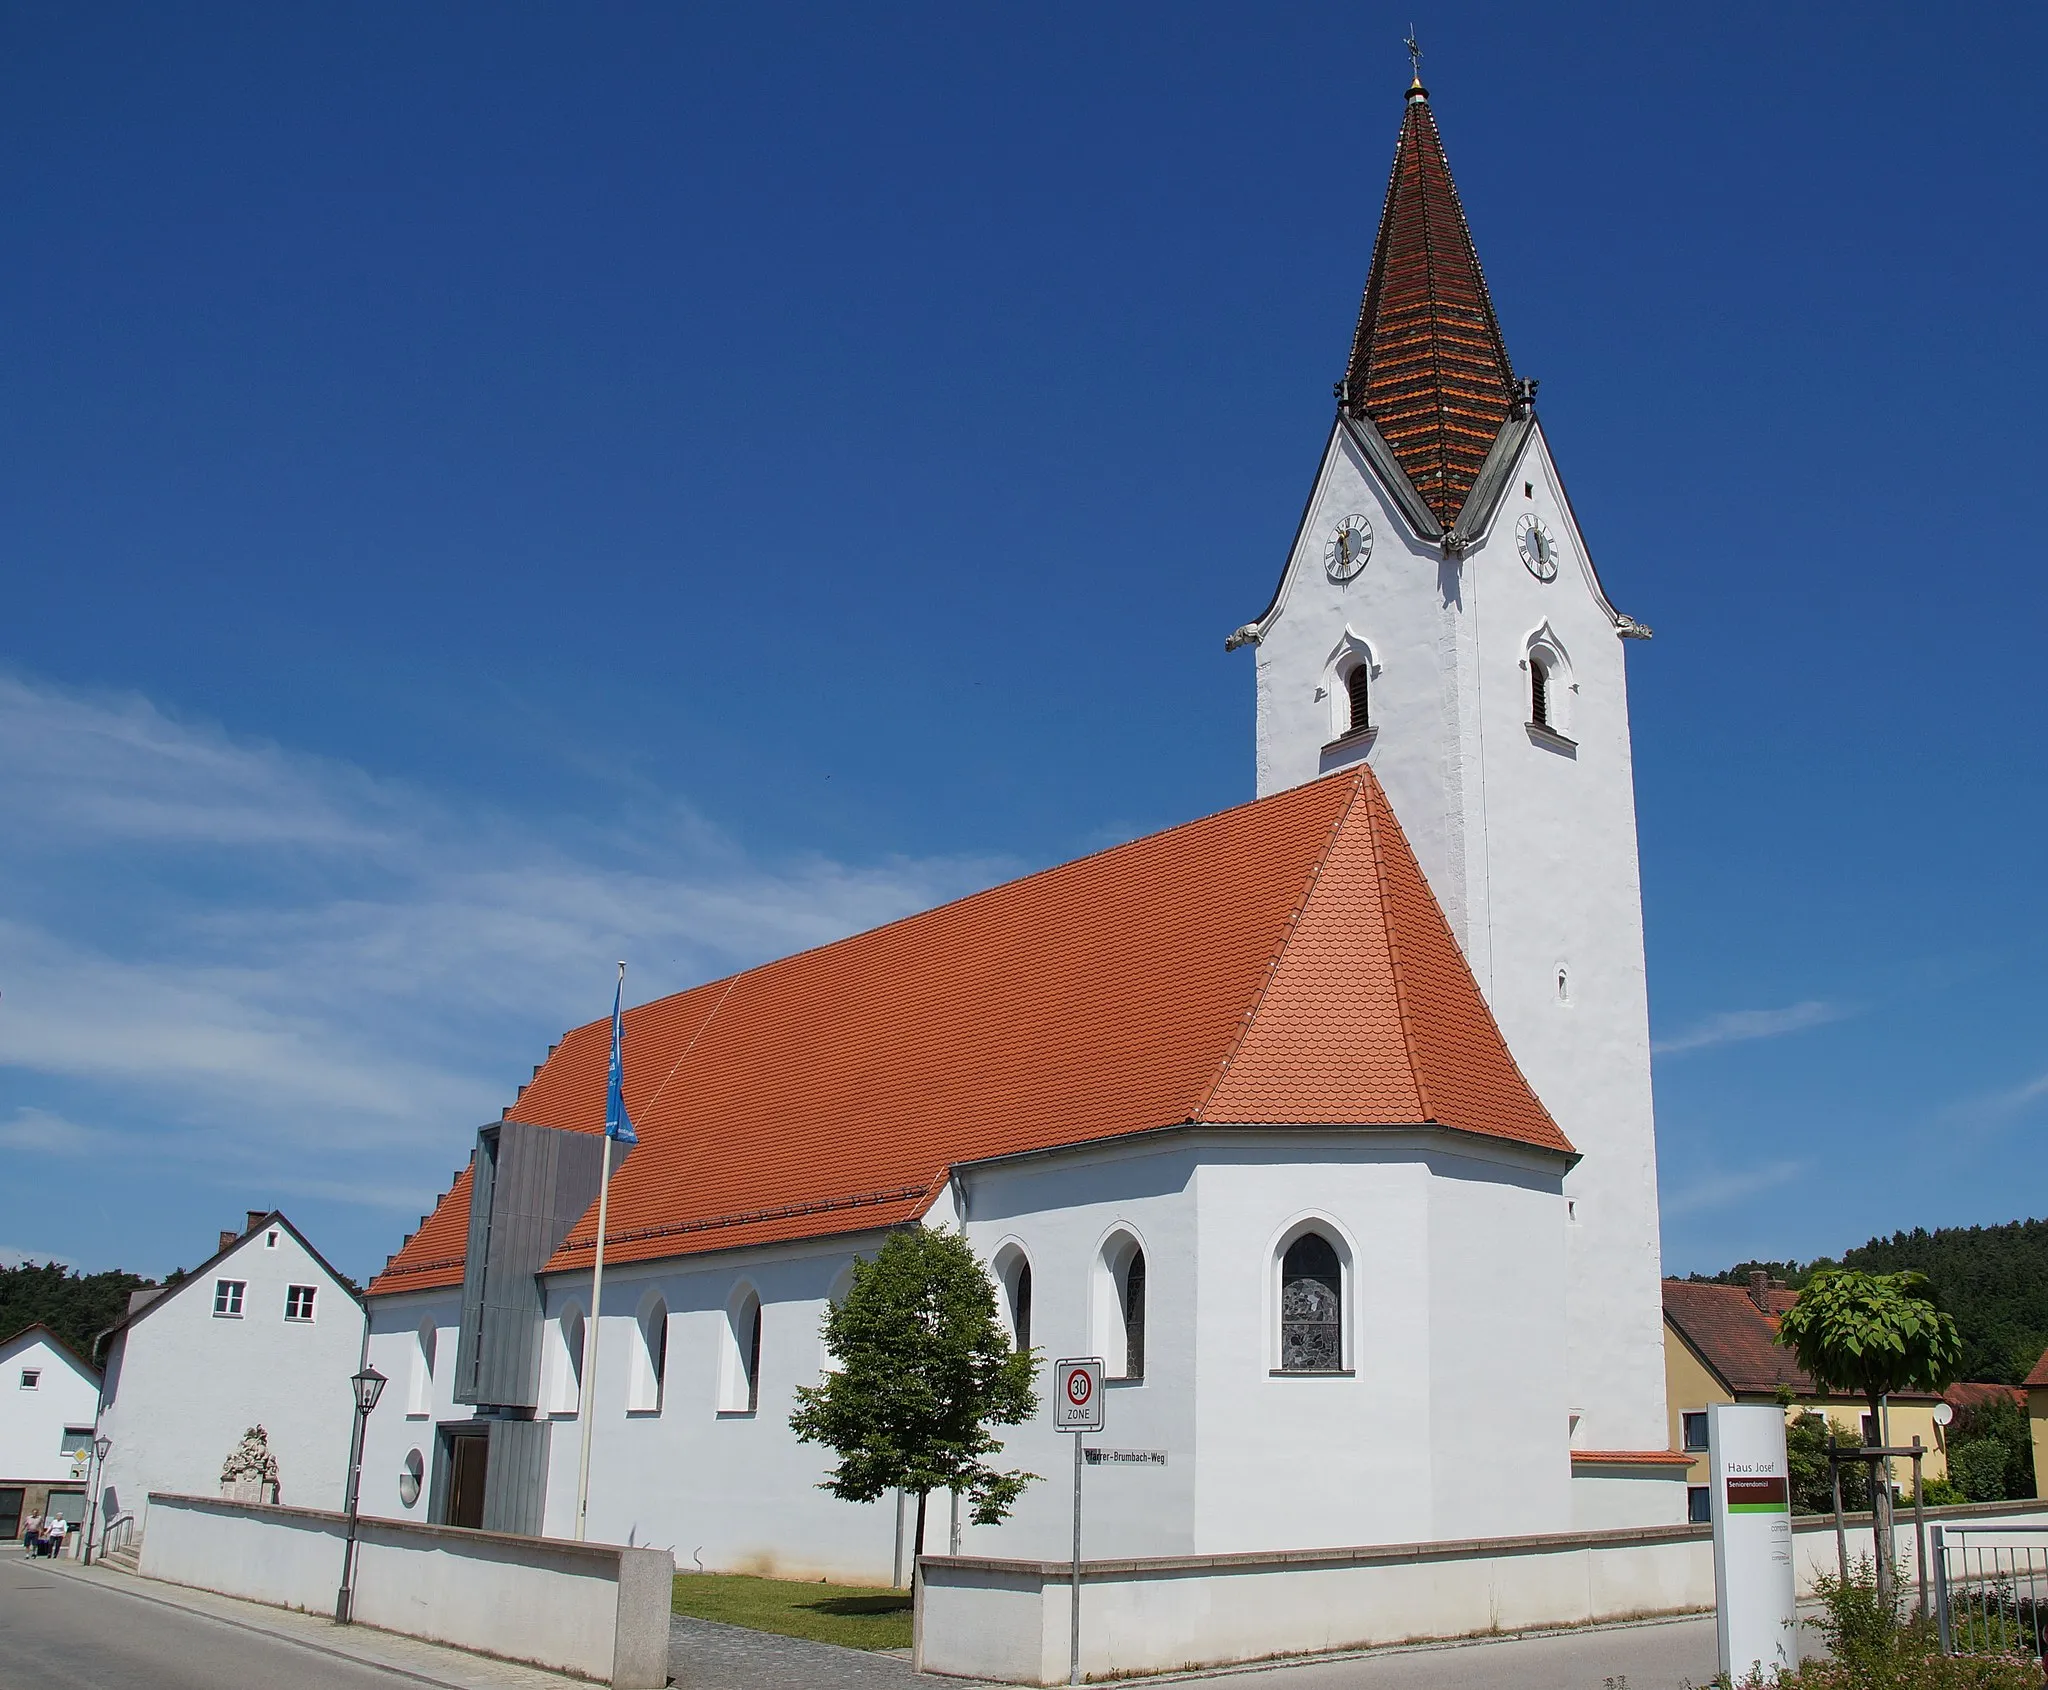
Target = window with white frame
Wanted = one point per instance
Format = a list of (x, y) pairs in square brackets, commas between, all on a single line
[(568, 1393), (1121, 1290), (739, 1374), (298, 1302), (31, 1378), (77, 1440), (1013, 1275), (420, 1392), (649, 1360), (227, 1298), (1356, 687), (1311, 1306)]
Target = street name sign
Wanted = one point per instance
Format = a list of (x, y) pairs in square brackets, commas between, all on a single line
[(1124, 1457)]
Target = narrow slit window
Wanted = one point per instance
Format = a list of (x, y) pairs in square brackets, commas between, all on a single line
[(1356, 686), (754, 1363)]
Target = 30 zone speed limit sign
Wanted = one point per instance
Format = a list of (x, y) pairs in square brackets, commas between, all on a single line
[(1077, 1394)]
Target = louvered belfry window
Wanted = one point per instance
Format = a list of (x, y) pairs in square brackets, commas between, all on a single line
[(1539, 693), (1311, 1307), (1355, 684)]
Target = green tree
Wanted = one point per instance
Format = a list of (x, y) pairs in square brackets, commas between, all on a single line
[(1808, 1437), (1872, 1334), (1991, 1451), (924, 1371), (77, 1307)]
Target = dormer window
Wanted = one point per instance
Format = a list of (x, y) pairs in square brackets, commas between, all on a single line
[(1356, 685)]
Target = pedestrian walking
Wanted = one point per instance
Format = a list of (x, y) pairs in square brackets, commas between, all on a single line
[(58, 1527), (31, 1533)]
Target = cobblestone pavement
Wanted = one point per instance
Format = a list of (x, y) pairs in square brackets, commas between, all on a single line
[(704, 1655)]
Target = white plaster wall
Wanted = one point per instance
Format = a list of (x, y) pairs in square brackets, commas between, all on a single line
[(1252, 1461), (182, 1385), (32, 1423), (414, 1402), (1530, 848), (563, 1605)]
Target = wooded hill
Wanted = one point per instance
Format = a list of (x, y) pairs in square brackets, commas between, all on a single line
[(77, 1307), (1992, 1279)]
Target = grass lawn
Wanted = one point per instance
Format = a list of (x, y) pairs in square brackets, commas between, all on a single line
[(858, 1616)]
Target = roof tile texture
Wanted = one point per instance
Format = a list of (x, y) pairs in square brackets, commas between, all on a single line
[(1428, 363), (1279, 963)]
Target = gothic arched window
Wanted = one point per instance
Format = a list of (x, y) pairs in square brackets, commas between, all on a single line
[(739, 1390), (1133, 1289), (1311, 1307), (1355, 686), (1020, 1304)]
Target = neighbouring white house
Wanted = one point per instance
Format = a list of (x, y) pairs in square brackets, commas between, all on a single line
[(263, 1333), (48, 1396), (1326, 1120)]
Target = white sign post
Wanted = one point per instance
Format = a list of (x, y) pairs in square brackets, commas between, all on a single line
[(1077, 1404), (1754, 1588)]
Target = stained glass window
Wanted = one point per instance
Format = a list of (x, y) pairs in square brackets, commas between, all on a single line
[(1134, 1317), (1311, 1307)]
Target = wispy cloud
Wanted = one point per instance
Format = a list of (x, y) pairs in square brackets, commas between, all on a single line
[(1999, 1108), (227, 954), (1717, 1191), (1732, 1026)]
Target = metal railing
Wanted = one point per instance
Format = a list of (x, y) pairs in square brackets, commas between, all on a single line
[(1991, 1589), (120, 1533)]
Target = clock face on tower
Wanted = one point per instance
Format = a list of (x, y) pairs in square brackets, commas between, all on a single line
[(1538, 549), (1350, 545)]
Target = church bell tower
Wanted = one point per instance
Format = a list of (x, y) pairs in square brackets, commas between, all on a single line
[(1439, 616)]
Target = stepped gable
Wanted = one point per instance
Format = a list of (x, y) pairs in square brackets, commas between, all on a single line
[(1282, 963), (1428, 365)]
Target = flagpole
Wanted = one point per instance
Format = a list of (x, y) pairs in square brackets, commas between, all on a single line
[(586, 1398)]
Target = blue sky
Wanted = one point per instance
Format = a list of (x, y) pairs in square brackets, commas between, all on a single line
[(491, 490)]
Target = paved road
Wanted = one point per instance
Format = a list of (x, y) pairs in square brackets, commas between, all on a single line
[(59, 1633)]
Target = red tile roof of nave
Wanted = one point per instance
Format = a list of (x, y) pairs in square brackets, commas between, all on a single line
[(432, 1257), (1428, 363), (1148, 986)]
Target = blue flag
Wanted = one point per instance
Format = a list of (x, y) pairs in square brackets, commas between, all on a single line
[(617, 1123)]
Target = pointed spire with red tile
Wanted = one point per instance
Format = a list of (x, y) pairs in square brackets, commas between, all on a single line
[(1428, 365)]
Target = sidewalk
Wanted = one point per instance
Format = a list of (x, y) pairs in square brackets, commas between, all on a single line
[(409, 1657)]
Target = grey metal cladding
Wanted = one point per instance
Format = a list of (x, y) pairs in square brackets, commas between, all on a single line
[(482, 1187), (1373, 446), (1492, 480), (516, 1474), (541, 1180)]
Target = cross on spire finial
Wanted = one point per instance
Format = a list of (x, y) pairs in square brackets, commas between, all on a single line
[(1414, 52)]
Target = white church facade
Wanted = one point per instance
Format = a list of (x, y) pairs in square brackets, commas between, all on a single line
[(1325, 1120)]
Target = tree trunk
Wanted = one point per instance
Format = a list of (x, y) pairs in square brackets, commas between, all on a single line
[(917, 1543), (1880, 1508)]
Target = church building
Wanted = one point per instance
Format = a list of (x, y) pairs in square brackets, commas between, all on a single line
[(1325, 1120)]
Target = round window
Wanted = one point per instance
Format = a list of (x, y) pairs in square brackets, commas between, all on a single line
[(409, 1479)]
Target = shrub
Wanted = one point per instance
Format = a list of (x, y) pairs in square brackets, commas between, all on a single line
[(1941, 1493), (1978, 1467), (1872, 1646)]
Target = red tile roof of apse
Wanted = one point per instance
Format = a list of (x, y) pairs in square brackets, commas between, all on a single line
[(1280, 964), (1428, 364)]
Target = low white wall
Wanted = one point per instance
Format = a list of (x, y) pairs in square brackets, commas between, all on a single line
[(1008, 1620), (594, 1609)]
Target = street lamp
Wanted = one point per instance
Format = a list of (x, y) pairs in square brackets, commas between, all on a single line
[(368, 1386), (100, 1446)]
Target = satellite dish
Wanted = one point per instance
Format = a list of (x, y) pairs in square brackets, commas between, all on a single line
[(1943, 1414)]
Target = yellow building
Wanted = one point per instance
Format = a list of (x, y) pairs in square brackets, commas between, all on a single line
[(2037, 1420), (1720, 1345)]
